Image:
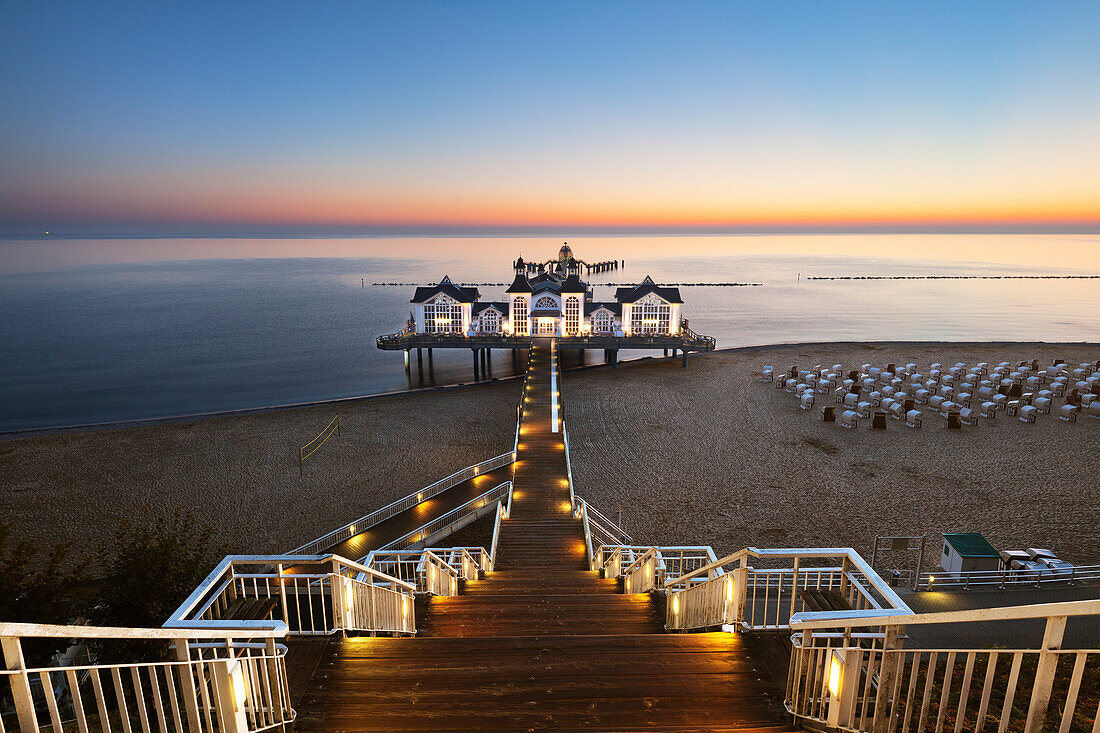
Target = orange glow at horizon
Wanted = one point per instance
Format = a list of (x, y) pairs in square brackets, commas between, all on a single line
[(290, 209)]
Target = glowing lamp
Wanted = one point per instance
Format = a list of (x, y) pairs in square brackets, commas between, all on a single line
[(236, 674), (729, 590), (676, 605), (834, 675), (349, 594)]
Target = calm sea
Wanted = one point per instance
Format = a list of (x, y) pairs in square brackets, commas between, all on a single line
[(103, 330)]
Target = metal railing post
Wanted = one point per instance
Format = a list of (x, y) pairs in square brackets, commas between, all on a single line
[(20, 683), (1044, 674), (741, 590)]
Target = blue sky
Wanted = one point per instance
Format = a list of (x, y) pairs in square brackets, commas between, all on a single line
[(171, 117)]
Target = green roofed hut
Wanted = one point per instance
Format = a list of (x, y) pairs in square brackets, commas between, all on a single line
[(965, 552)]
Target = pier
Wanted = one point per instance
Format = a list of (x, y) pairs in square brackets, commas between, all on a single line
[(541, 641), (482, 345)]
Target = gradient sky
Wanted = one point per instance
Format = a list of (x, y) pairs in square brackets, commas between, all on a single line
[(235, 117)]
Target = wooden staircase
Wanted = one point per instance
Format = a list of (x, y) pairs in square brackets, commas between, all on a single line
[(542, 642)]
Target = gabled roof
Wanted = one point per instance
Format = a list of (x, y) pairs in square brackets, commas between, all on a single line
[(481, 307), (971, 544), (615, 308), (551, 276), (647, 286), (573, 284), (545, 284), (519, 285), (462, 295)]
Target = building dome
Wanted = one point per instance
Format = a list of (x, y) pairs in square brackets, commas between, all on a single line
[(565, 253)]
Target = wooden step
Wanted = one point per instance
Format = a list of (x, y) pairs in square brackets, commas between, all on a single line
[(653, 682)]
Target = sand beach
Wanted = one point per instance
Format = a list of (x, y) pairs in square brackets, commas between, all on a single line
[(703, 455)]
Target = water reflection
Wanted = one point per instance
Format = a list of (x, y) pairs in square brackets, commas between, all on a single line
[(169, 333)]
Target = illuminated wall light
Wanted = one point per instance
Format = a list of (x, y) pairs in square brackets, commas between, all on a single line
[(729, 590), (236, 674), (419, 495), (676, 605), (834, 676)]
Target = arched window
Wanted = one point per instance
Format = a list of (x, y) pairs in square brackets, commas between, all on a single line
[(490, 321), (572, 316), (601, 322), (651, 315), (519, 315), (443, 315), (546, 303)]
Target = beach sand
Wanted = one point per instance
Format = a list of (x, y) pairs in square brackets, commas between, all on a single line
[(703, 455), (710, 455), (240, 473)]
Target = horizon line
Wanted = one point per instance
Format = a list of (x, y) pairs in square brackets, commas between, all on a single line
[(291, 231)]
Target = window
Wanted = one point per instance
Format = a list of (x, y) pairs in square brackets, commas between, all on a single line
[(572, 316), (546, 303), (490, 321), (650, 316), (443, 315), (519, 315), (601, 322)]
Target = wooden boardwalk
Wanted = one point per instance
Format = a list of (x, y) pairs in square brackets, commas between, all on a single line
[(401, 524), (541, 642)]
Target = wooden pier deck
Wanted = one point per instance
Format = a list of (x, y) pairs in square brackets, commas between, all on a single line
[(541, 642)]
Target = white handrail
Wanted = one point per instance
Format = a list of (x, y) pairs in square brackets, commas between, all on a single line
[(424, 531), (260, 629), (243, 686), (867, 683), (854, 558), (186, 613), (1004, 578), (396, 507), (904, 617)]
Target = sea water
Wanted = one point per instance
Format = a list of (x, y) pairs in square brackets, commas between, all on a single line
[(104, 330)]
